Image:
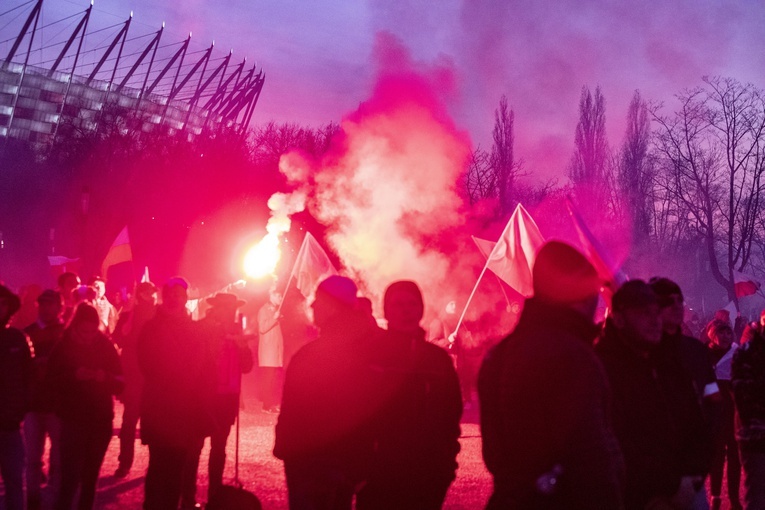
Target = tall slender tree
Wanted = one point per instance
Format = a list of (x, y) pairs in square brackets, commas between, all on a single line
[(502, 156)]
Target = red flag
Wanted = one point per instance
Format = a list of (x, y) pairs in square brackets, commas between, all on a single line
[(606, 267), (119, 252), (311, 266), (512, 257), (744, 284)]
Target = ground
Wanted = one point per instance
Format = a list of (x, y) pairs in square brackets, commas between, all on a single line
[(263, 474)]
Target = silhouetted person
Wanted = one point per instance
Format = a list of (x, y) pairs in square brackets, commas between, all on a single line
[(748, 385), (178, 375), (15, 386), (324, 431), (228, 348), (419, 420), (753, 328), (722, 348), (297, 330), (67, 282), (84, 373), (126, 333), (106, 311), (27, 314), (41, 421), (544, 397), (657, 414), (270, 351)]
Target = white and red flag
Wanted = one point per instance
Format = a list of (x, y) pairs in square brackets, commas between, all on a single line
[(511, 258), (119, 252), (311, 266), (608, 269), (744, 284)]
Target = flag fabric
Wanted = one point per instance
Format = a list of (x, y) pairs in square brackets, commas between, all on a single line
[(145, 276), (744, 284), (119, 252), (311, 266), (605, 265), (60, 260), (512, 257)]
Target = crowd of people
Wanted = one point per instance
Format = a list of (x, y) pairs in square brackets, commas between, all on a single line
[(627, 413)]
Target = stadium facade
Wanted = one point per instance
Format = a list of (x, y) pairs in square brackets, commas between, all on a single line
[(146, 86)]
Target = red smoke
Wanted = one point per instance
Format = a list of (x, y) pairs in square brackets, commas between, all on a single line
[(387, 187)]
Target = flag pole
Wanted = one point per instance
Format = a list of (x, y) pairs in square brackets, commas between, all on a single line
[(464, 310), (499, 280)]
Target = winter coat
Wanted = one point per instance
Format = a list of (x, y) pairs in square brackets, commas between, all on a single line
[(16, 372), (748, 383), (544, 401), (657, 418), (179, 378)]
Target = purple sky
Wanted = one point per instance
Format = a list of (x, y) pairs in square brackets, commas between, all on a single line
[(317, 55)]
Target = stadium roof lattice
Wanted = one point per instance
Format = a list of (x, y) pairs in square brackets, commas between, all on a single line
[(67, 79)]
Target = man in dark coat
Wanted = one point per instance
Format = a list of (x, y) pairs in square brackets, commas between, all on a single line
[(419, 420), (748, 383), (544, 397), (324, 433), (15, 391), (657, 414), (177, 373), (45, 333)]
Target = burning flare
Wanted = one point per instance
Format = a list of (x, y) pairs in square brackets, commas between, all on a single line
[(261, 259)]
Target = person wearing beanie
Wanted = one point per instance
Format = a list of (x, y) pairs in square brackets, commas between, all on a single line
[(418, 428), (656, 412), (45, 333), (325, 429), (544, 397), (16, 372), (693, 358)]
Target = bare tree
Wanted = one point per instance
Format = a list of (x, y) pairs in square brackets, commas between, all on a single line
[(712, 154), (634, 172), (480, 180), (502, 157), (589, 162)]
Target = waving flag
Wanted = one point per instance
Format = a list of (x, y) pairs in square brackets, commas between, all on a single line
[(311, 266), (744, 284), (119, 252), (512, 257), (604, 263)]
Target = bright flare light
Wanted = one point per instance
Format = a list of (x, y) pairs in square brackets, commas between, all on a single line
[(262, 258)]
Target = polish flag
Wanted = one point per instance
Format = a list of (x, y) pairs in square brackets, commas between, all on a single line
[(312, 265), (119, 252), (744, 284), (512, 256)]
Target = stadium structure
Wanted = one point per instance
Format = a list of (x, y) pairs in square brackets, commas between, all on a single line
[(52, 76)]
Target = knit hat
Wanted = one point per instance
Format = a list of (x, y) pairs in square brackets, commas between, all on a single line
[(563, 275), (634, 294), (339, 288), (49, 296), (664, 289)]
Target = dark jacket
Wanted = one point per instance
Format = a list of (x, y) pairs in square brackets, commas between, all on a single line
[(44, 339), (326, 418), (657, 418), (545, 408), (748, 383), (84, 401), (16, 355), (179, 380), (418, 427)]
